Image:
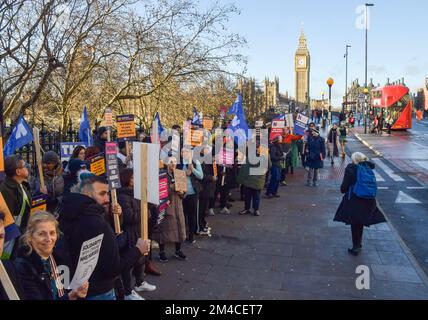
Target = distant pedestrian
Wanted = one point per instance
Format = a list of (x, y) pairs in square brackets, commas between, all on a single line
[(355, 210), (315, 155), (333, 143)]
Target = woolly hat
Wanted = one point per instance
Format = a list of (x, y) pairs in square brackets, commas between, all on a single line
[(50, 157)]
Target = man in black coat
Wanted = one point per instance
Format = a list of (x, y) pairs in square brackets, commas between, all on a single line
[(16, 193), (101, 139), (82, 218), (357, 212)]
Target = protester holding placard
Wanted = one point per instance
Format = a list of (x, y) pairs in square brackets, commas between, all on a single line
[(9, 266), (253, 184), (54, 181), (277, 155), (36, 264), (100, 139), (82, 218), (124, 160), (172, 229), (190, 202), (131, 226), (208, 188)]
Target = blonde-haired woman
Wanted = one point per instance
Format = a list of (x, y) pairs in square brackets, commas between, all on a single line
[(36, 264), (357, 212)]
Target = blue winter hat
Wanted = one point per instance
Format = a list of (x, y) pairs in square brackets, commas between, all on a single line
[(75, 165)]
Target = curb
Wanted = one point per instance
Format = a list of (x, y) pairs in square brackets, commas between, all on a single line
[(416, 266), (379, 154)]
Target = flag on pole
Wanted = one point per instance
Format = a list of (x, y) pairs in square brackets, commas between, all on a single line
[(238, 121), (160, 128), (196, 119), (85, 129), (236, 108), (21, 136)]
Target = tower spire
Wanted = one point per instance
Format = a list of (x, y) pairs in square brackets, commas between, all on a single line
[(302, 39)]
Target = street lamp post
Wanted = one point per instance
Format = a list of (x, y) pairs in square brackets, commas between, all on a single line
[(366, 92), (330, 83), (346, 79), (365, 79)]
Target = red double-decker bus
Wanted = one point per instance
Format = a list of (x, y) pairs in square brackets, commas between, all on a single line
[(396, 101)]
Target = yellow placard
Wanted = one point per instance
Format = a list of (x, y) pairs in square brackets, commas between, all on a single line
[(197, 137), (208, 123), (108, 119), (98, 166), (125, 127)]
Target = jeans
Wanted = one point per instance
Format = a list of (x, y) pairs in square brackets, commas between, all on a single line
[(275, 176), (251, 195), (312, 175), (109, 295)]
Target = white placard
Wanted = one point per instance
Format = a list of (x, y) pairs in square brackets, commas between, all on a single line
[(152, 161), (289, 119), (88, 260), (259, 124), (279, 124)]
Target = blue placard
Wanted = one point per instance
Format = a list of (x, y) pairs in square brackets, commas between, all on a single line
[(300, 124), (67, 149)]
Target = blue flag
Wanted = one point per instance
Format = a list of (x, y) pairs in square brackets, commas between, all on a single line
[(196, 119), (21, 136), (85, 134), (236, 108), (238, 121), (160, 128)]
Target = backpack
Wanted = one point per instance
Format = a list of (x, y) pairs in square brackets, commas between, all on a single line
[(366, 186)]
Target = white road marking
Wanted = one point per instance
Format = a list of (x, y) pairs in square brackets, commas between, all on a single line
[(405, 198), (388, 170), (378, 176), (383, 188), (417, 188), (423, 164)]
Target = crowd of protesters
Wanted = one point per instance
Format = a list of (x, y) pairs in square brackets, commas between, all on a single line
[(79, 208)]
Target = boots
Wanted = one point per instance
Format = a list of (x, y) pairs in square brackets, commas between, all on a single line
[(150, 269)]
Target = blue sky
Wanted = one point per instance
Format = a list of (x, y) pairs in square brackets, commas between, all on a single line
[(398, 41)]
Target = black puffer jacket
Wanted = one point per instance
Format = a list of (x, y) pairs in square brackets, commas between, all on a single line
[(82, 219), (131, 215), (357, 210)]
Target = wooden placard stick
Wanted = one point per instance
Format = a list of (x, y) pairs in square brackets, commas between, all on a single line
[(114, 196), (7, 284), (128, 149), (144, 204), (36, 135)]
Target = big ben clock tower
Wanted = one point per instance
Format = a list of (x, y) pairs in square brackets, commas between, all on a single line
[(302, 66)]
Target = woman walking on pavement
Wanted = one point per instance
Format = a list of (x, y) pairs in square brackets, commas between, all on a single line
[(315, 155), (333, 143), (342, 139), (354, 210)]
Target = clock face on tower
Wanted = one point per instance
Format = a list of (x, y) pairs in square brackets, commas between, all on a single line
[(301, 62)]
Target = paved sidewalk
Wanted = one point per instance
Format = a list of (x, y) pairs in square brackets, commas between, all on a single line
[(292, 251)]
